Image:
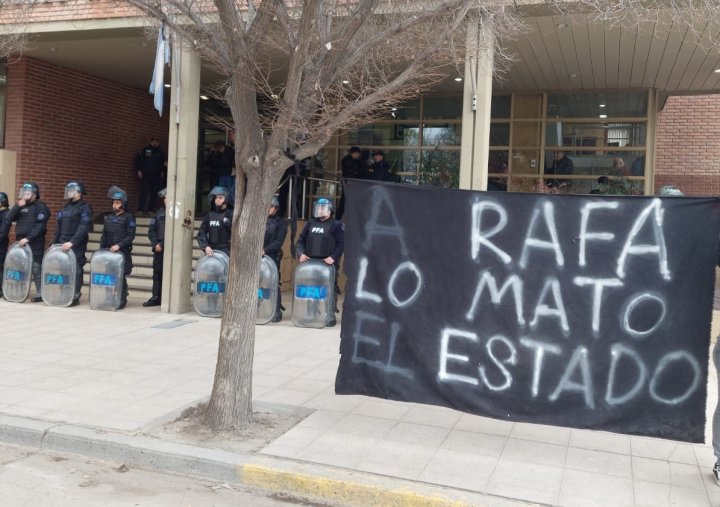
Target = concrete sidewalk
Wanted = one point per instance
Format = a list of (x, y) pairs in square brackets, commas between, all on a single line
[(80, 381)]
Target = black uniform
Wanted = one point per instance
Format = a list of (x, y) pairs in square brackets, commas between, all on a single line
[(351, 168), (74, 223), (275, 232), (156, 234), (379, 171), (31, 223), (151, 163), (120, 230), (215, 230), (320, 239)]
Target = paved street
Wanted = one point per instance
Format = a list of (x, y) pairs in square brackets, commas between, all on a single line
[(29, 478)]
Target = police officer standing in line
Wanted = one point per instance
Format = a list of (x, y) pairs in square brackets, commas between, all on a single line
[(31, 216), (74, 222), (150, 166), (4, 203), (214, 233), (323, 238), (275, 232), (156, 234), (119, 233)]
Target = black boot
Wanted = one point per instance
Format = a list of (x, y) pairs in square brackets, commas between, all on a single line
[(153, 301)]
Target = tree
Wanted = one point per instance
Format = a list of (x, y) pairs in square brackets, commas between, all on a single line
[(297, 72)]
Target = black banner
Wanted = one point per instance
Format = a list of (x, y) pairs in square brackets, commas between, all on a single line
[(581, 311)]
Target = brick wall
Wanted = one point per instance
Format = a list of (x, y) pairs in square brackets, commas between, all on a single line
[(688, 144), (66, 125)]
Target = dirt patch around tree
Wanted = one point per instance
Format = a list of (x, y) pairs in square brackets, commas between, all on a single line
[(268, 424)]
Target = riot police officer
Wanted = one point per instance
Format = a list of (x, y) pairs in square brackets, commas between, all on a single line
[(118, 234), (215, 229), (3, 239), (323, 238), (275, 232), (156, 234), (31, 216), (74, 222)]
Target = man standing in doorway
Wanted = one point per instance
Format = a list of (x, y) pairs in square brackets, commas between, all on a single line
[(150, 166)]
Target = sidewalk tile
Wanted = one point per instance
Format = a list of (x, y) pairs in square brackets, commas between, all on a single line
[(651, 494), (687, 476), (396, 459), (527, 451), (432, 416), (655, 448), (374, 427), (600, 441), (335, 402), (286, 396), (532, 476), (650, 470), (585, 488), (683, 453), (487, 425), (459, 470), (419, 434), (689, 497), (464, 441), (293, 442), (606, 463), (541, 433), (338, 449), (375, 407), (321, 419)]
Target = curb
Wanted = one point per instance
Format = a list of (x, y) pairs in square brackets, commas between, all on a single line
[(316, 482)]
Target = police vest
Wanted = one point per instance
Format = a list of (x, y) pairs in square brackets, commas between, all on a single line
[(273, 227), (157, 227), (117, 228), (218, 231), (320, 240), (70, 217), (27, 218), (3, 241)]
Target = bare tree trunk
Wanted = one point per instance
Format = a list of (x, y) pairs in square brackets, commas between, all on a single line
[(230, 406)]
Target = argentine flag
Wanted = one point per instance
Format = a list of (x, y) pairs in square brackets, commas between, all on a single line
[(162, 58)]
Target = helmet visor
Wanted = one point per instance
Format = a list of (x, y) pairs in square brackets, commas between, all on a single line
[(321, 210), (26, 192), (71, 191)]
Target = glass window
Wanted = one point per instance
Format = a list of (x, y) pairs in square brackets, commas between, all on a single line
[(500, 106), (601, 135), (526, 134), (382, 134), (592, 105), (498, 162), (440, 168), (441, 135), (527, 106), (442, 108), (626, 164), (406, 111), (499, 134), (525, 162)]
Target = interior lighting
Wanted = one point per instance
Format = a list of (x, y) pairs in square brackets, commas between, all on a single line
[(345, 81), (167, 85), (458, 79), (602, 105), (603, 116), (204, 97), (717, 71)]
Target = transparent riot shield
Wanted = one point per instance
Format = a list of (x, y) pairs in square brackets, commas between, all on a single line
[(106, 280), (267, 292), (211, 273), (58, 276), (17, 273), (314, 294)]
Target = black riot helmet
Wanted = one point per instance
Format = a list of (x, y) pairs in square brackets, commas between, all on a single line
[(218, 190), (74, 188), (27, 189), (4, 199), (118, 194)]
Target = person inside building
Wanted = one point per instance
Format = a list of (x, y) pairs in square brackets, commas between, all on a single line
[(379, 169), (118, 234), (275, 232), (156, 234), (561, 164), (323, 238), (150, 166), (216, 227), (4, 208), (352, 166), (74, 222), (31, 216)]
